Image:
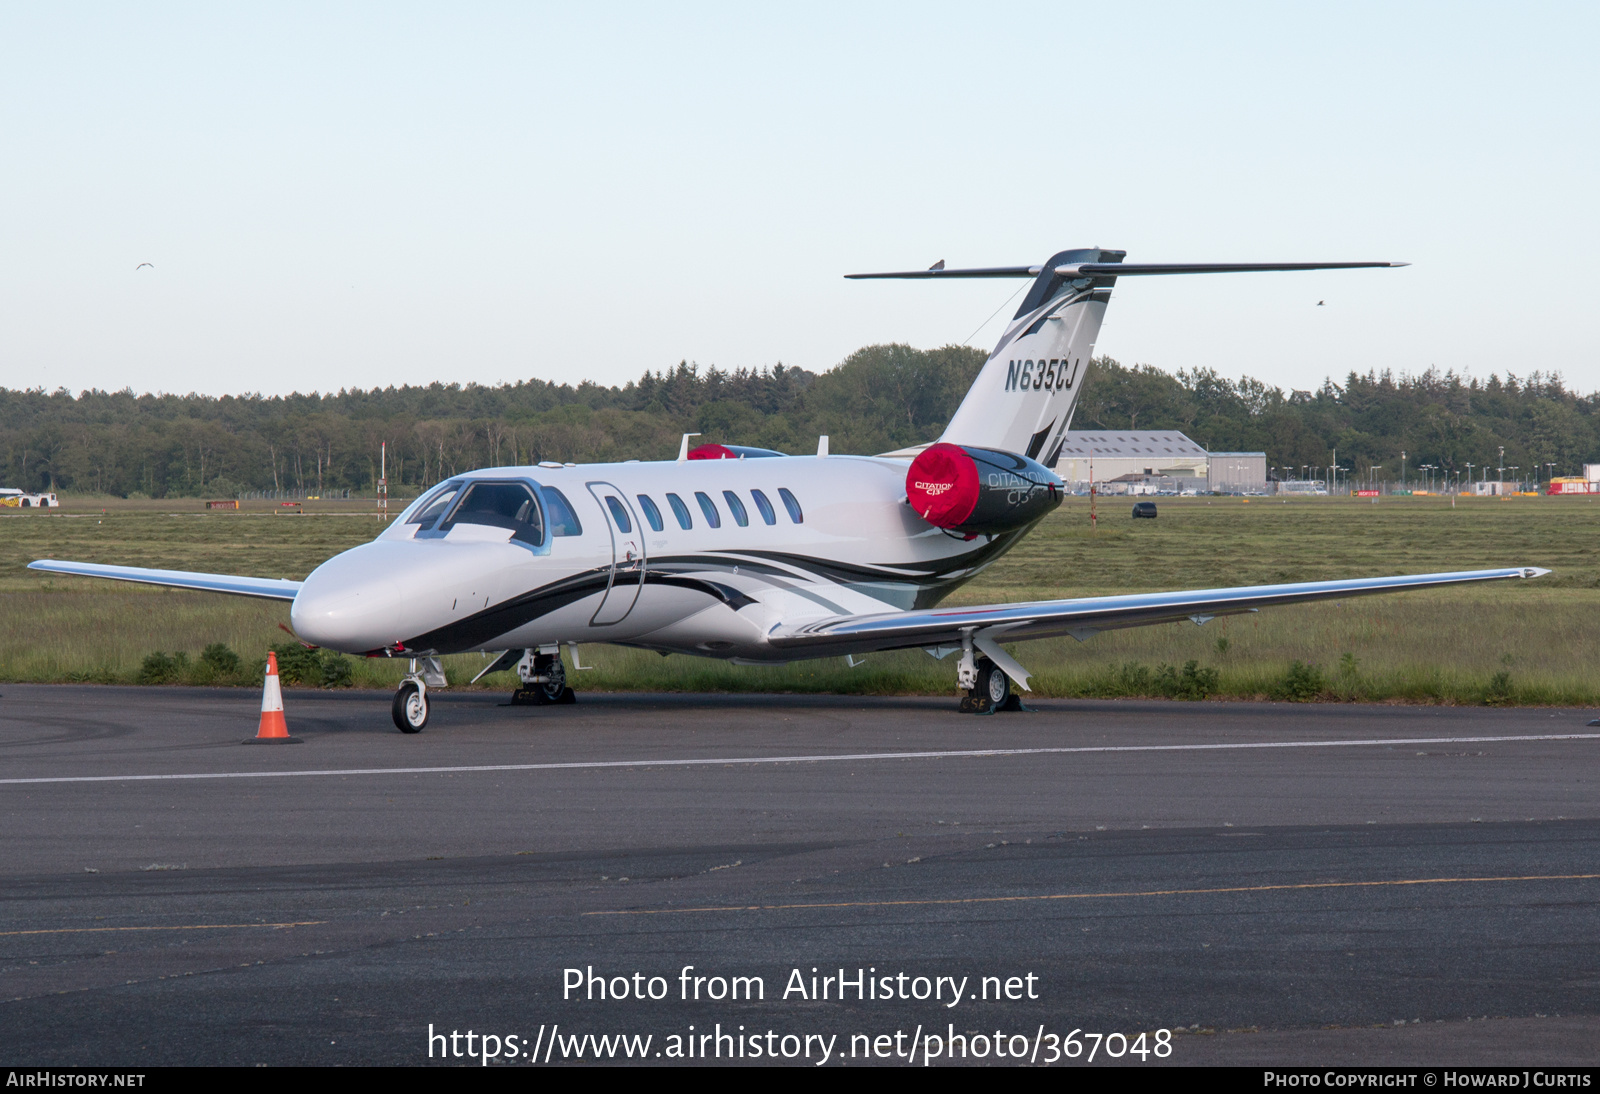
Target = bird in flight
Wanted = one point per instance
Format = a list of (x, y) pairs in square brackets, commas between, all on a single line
[(1321, 302), (142, 265)]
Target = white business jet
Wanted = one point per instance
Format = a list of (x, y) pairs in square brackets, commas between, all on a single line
[(757, 557)]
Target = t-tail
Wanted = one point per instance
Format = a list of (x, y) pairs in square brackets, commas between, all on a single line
[(1023, 398)]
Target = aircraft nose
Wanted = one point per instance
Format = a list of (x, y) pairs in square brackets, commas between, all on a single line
[(347, 604)]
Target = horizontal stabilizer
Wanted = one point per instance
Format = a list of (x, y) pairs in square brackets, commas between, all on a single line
[(1133, 269), (1087, 615), (266, 587)]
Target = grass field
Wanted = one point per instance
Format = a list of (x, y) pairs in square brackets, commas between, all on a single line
[(1520, 642)]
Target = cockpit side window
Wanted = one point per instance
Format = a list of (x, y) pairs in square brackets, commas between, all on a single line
[(563, 521), (500, 505), (429, 511)]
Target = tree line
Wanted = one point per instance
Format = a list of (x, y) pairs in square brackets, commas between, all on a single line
[(879, 398)]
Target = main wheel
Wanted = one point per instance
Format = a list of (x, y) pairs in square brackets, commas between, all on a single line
[(554, 689), (994, 686), (410, 708)]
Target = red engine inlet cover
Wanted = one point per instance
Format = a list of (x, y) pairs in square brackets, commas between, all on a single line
[(712, 452), (942, 485)]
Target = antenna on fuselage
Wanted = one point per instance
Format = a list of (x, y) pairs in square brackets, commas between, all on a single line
[(683, 449), (822, 445)]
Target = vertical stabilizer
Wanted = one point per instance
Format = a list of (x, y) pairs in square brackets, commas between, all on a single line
[(1022, 400)]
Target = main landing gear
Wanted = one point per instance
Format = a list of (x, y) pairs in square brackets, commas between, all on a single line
[(987, 687), (544, 680)]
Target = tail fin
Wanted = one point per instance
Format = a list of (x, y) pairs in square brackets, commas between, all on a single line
[(1022, 400)]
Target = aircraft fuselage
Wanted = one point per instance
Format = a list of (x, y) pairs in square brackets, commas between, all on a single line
[(700, 556)]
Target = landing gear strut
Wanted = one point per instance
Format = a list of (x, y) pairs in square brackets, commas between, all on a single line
[(544, 680)]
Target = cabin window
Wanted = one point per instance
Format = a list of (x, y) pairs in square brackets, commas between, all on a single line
[(792, 505), (429, 511), (500, 505), (563, 521), (736, 507), (681, 511), (709, 508), (765, 506), (619, 513), (651, 513)]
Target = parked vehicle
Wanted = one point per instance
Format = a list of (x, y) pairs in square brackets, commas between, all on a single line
[(21, 499), (1144, 509)]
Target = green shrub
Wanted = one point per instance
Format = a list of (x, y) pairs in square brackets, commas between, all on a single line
[(1498, 692), (1301, 684), (1191, 682), (1131, 678), (158, 668), (313, 668), (336, 670), (298, 665), (221, 660)]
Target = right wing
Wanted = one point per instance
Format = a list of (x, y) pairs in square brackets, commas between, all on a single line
[(268, 588), (1081, 618)]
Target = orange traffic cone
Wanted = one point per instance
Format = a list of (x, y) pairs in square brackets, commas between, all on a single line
[(274, 730)]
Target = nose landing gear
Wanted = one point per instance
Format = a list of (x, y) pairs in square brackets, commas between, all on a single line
[(544, 680), (410, 707)]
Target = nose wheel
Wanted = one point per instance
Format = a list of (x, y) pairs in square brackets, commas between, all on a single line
[(410, 707)]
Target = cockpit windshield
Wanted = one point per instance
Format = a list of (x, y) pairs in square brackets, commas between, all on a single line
[(429, 510), (500, 505)]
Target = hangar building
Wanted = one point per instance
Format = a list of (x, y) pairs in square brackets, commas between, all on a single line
[(1164, 452), (1160, 454)]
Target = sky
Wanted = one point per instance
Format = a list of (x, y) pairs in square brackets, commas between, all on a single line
[(353, 195)]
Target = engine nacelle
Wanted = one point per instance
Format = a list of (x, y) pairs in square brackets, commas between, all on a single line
[(979, 490)]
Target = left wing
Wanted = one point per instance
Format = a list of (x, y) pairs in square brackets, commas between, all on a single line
[(1081, 618), (269, 588)]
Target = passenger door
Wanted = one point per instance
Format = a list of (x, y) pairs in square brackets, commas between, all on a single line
[(627, 555)]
